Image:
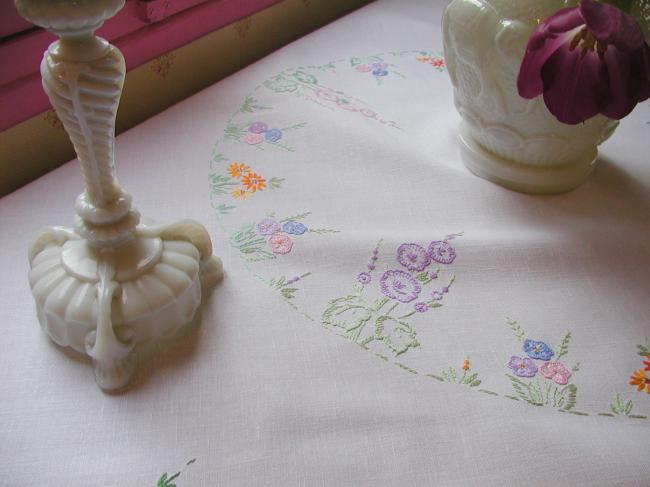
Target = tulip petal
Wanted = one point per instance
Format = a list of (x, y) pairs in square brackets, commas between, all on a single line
[(629, 80), (611, 25), (547, 38), (576, 85)]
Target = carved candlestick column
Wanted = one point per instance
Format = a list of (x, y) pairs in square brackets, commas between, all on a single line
[(110, 284)]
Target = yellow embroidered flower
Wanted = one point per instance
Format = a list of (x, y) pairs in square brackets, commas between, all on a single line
[(253, 182), (240, 194), (237, 170), (423, 58), (640, 380), (465, 365)]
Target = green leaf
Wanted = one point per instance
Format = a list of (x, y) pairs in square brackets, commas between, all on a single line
[(434, 304), (563, 347), (475, 383), (224, 209), (355, 60), (576, 367), (516, 329), (422, 276), (299, 216), (275, 183), (288, 292)]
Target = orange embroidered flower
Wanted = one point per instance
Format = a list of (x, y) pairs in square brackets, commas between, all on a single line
[(465, 365), (253, 182), (237, 170), (240, 194), (640, 380)]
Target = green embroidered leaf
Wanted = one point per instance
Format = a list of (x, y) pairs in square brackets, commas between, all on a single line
[(470, 378), (219, 158), (563, 347), (299, 216), (490, 393), (250, 105), (434, 304), (516, 329), (576, 367), (221, 184), (644, 350), (163, 481), (224, 209), (321, 231), (275, 183), (288, 292), (422, 276), (437, 377), (475, 383), (620, 407), (571, 392), (280, 84), (355, 60), (234, 132)]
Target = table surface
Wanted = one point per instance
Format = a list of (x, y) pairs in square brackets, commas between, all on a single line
[(326, 356)]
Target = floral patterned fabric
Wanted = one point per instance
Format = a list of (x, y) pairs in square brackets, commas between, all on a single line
[(386, 318)]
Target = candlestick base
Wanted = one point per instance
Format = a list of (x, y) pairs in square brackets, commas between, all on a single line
[(107, 302)]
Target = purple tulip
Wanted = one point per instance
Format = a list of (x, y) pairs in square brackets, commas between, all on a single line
[(586, 60)]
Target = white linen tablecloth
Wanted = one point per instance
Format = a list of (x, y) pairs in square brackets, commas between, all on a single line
[(386, 318)]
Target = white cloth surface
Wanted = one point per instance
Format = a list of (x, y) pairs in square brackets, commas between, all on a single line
[(266, 391)]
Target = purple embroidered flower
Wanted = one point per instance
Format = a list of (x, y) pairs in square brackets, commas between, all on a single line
[(522, 367), (258, 127), (399, 285), (380, 72), (273, 135), (433, 275), (364, 278), (379, 65), (436, 295), (413, 257), (267, 226), (556, 371), (538, 350), (294, 227), (442, 252), (587, 60), (421, 307)]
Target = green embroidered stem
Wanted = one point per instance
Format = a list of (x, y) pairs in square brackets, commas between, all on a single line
[(563, 347), (516, 329)]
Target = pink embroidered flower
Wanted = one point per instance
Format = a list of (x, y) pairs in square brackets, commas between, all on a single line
[(522, 367), (413, 257), (556, 371), (268, 226), (399, 285), (366, 112), (327, 94), (442, 252), (436, 295), (280, 243), (363, 68), (252, 139)]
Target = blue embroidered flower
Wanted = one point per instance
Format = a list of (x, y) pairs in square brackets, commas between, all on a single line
[(273, 135), (294, 227), (380, 72), (538, 350)]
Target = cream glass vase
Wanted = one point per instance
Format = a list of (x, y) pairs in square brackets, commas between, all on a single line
[(505, 138)]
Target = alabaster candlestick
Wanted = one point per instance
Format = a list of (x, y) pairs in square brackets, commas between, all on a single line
[(111, 284)]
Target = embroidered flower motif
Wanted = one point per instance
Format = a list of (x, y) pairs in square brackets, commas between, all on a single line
[(538, 350), (273, 135), (268, 226), (240, 194), (399, 285), (587, 60), (366, 112), (438, 63), (363, 68), (640, 380), (294, 227), (252, 139), (647, 364), (237, 169), (346, 105), (413, 257), (465, 365), (280, 243), (442, 252), (253, 182), (258, 127), (327, 94), (379, 65), (522, 367), (421, 307), (556, 371), (380, 72), (364, 278), (423, 58), (436, 295)]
